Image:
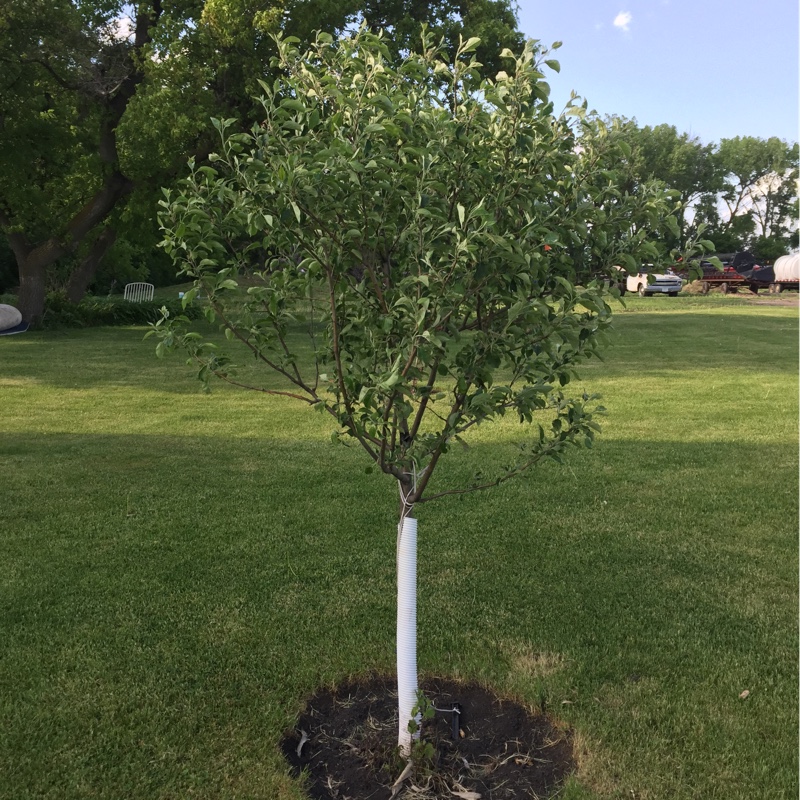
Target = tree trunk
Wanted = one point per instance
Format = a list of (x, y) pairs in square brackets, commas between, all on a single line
[(33, 262), (32, 285), (84, 274), (407, 688)]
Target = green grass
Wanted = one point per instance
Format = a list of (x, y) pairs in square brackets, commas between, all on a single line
[(180, 569)]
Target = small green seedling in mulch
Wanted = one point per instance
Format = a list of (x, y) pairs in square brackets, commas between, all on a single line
[(422, 751)]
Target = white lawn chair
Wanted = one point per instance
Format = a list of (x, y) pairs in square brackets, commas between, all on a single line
[(138, 292)]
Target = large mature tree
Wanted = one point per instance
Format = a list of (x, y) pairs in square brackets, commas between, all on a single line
[(67, 80), (757, 206), (99, 108), (419, 229), (744, 190), (680, 161)]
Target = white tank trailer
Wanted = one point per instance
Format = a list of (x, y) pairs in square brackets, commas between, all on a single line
[(787, 273)]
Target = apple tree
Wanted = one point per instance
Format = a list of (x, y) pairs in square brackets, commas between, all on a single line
[(440, 238)]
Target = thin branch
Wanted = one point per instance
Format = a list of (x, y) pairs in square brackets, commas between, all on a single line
[(423, 404), (223, 377), (375, 285), (72, 87), (312, 335), (284, 346), (257, 352), (428, 471), (502, 479)]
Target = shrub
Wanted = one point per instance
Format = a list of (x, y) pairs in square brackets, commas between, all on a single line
[(96, 311)]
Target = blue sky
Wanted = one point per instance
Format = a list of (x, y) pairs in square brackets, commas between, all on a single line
[(712, 68)]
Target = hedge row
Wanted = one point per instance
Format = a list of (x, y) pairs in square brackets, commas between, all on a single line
[(93, 312)]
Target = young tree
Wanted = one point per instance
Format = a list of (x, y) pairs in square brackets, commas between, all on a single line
[(421, 234)]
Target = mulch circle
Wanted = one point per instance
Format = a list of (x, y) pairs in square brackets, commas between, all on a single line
[(502, 750)]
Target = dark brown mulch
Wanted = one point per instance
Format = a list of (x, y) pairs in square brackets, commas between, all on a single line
[(502, 751)]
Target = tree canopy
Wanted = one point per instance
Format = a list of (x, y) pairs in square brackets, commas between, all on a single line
[(98, 108), (757, 206)]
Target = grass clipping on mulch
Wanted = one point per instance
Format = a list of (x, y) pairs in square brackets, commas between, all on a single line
[(345, 746)]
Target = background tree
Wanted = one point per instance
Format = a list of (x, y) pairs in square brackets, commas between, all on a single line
[(757, 205), (68, 78), (492, 21), (681, 162), (744, 190), (99, 109), (419, 233)]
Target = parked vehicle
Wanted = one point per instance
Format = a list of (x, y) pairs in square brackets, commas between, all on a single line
[(785, 274), (648, 283)]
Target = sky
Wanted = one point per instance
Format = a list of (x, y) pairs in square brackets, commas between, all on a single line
[(712, 68)]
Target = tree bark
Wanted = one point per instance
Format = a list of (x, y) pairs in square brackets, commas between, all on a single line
[(33, 262), (32, 287), (84, 274)]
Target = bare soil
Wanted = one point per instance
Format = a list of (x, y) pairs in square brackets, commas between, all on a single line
[(782, 299), (501, 750), (763, 299)]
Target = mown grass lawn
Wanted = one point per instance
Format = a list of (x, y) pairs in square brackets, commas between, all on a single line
[(179, 570)]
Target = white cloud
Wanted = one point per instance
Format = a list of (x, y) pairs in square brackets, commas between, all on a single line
[(123, 28), (622, 20)]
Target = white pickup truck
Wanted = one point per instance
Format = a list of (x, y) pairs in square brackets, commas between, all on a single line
[(646, 283)]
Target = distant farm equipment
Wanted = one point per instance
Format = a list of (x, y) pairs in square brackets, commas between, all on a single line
[(744, 270), (785, 274)]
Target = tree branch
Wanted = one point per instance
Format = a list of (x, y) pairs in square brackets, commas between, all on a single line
[(339, 373), (555, 446), (258, 353)]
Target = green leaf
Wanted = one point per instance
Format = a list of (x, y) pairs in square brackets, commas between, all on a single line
[(292, 104), (391, 381), (672, 224)]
